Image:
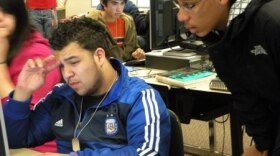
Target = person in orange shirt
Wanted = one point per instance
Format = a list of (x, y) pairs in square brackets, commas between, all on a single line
[(121, 27)]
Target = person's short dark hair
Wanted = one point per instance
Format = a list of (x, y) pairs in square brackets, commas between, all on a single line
[(16, 8), (105, 2), (87, 32)]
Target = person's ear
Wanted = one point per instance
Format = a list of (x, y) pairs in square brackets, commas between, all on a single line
[(100, 56)]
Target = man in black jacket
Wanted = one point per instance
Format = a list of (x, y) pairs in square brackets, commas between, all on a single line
[(245, 55)]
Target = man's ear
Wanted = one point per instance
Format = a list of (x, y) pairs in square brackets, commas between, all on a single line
[(100, 56)]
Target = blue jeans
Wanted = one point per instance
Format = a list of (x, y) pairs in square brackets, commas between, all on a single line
[(42, 20)]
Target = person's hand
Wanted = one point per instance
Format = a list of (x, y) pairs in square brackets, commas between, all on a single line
[(54, 19), (138, 54), (32, 76)]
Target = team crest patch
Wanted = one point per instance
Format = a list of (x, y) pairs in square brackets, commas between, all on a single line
[(111, 125)]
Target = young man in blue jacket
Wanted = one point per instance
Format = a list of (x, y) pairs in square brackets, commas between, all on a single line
[(99, 110), (246, 57)]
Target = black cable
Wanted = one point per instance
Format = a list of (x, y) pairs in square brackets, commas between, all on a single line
[(224, 120), (224, 136)]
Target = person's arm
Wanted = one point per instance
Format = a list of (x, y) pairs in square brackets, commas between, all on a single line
[(54, 18), (131, 42), (147, 126), (6, 83), (27, 128)]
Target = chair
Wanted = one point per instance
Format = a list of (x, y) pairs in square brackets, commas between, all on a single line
[(176, 143)]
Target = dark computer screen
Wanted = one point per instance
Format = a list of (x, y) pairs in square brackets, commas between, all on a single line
[(164, 26)]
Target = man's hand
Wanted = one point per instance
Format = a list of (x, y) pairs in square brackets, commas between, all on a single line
[(138, 54), (32, 76)]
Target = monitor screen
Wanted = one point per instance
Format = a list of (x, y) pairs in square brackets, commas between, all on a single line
[(164, 26), (4, 149)]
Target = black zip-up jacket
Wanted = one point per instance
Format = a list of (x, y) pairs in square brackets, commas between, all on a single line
[(247, 58)]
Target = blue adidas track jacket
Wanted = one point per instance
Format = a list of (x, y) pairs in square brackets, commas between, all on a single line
[(132, 120)]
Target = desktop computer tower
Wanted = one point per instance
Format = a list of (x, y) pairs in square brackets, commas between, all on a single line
[(158, 61)]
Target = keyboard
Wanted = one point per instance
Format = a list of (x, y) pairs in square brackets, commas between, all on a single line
[(217, 84), (184, 76)]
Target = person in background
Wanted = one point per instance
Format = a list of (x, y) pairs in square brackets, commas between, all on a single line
[(122, 29), (245, 55), (100, 110), (43, 15), (140, 21), (20, 42)]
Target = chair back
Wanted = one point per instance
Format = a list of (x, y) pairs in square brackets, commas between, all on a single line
[(176, 143)]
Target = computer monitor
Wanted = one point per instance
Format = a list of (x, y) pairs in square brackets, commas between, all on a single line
[(164, 28), (4, 147)]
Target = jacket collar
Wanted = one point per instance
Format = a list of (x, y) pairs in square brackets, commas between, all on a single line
[(116, 90)]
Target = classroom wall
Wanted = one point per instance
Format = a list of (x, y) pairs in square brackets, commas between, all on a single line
[(74, 7)]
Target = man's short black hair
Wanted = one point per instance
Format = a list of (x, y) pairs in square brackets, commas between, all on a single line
[(87, 32)]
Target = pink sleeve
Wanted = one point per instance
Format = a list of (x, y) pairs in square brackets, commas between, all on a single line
[(35, 47), (3, 100)]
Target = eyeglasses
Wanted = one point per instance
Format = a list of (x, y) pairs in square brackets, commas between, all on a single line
[(189, 5)]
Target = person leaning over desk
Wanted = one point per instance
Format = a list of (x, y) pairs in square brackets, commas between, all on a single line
[(123, 35), (246, 57), (100, 110)]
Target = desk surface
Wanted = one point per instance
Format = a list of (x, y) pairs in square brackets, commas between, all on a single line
[(29, 152), (148, 75), (24, 152)]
